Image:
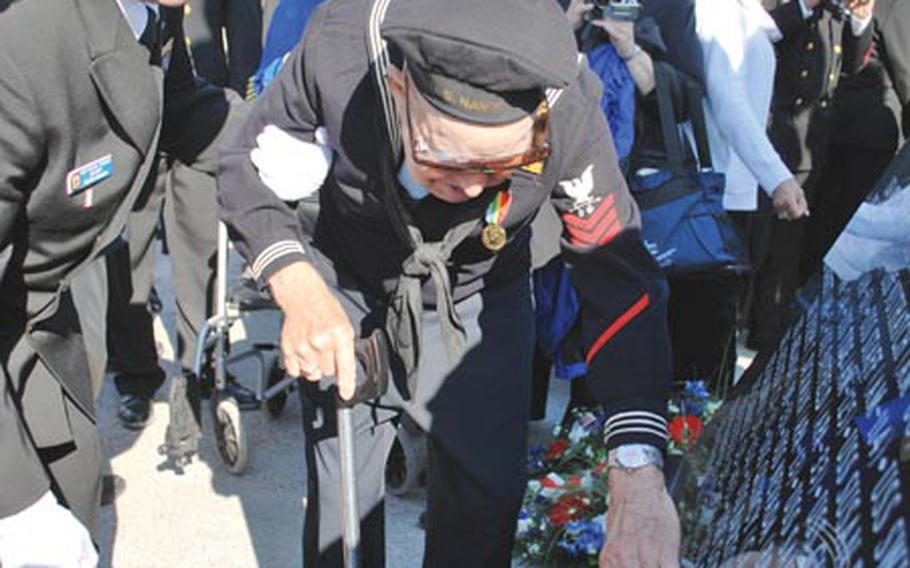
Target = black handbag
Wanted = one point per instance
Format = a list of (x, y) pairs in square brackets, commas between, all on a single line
[(683, 221)]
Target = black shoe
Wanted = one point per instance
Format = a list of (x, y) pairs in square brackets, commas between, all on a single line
[(111, 487), (134, 411), (246, 398)]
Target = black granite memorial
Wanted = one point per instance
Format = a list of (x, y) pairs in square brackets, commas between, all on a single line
[(808, 463)]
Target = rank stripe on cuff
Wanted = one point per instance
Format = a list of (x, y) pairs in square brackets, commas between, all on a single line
[(635, 422), (636, 416), (612, 432), (272, 253)]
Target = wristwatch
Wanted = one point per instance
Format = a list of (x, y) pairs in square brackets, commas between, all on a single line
[(633, 53), (630, 457)]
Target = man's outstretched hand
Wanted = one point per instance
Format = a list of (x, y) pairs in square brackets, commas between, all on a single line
[(317, 338), (642, 524)]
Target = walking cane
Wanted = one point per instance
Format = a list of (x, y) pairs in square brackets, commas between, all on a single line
[(372, 354)]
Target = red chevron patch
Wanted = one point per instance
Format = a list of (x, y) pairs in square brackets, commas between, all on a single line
[(597, 229)]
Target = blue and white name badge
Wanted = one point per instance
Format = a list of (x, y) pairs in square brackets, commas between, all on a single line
[(84, 177)]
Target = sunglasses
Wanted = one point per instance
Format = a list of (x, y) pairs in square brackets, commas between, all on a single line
[(539, 151)]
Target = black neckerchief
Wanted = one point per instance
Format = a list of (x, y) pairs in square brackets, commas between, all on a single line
[(427, 259)]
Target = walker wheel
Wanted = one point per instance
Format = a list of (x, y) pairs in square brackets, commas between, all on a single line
[(275, 405), (230, 435)]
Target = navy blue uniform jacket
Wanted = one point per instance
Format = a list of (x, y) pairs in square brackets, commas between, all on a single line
[(327, 81)]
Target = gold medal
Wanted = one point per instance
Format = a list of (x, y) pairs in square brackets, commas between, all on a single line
[(493, 237)]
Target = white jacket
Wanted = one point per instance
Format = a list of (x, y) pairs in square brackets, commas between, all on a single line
[(737, 41)]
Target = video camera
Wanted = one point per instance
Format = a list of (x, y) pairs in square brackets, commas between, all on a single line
[(626, 10)]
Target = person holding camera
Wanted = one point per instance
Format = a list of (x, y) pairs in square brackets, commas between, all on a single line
[(617, 27), (659, 28)]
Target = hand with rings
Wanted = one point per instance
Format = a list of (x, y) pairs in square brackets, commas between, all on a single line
[(317, 339), (311, 371)]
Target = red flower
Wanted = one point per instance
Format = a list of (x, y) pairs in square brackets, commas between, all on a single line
[(556, 449), (684, 430), (568, 509)]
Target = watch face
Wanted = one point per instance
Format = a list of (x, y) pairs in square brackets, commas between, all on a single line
[(637, 455), (631, 456)]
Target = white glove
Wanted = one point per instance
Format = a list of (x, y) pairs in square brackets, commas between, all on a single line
[(291, 168), (45, 535)]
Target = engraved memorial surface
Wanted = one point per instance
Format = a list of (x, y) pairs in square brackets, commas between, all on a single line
[(808, 463)]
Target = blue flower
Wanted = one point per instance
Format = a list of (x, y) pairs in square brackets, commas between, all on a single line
[(583, 537), (537, 450), (690, 407), (569, 545), (535, 458), (697, 390)]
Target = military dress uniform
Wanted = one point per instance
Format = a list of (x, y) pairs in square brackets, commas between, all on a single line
[(182, 201), (813, 53), (226, 63), (893, 24), (450, 282), (868, 108), (893, 18), (83, 109)]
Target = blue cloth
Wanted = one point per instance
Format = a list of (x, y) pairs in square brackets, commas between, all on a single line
[(555, 299), (285, 30), (556, 309), (618, 101)]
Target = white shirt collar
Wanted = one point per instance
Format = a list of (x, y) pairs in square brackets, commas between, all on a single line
[(136, 14)]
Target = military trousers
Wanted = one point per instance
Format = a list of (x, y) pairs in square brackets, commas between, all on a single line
[(184, 200), (474, 409)]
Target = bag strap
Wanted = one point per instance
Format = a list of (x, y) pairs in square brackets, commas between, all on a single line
[(695, 98), (663, 84)]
